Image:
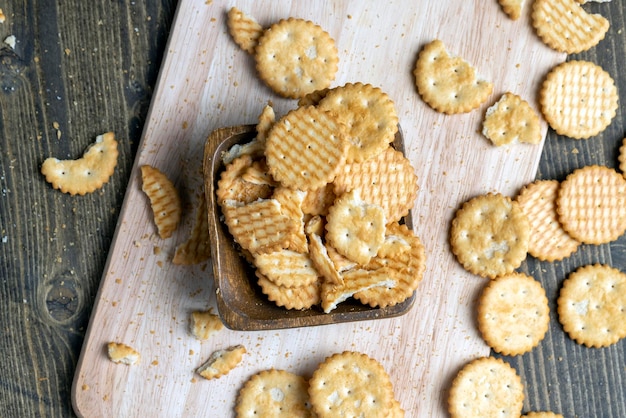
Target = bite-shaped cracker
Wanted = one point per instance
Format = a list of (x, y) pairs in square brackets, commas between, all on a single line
[(196, 249), (355, 228), (295, 57), (565, 26), (591, 204), (260, 226), (244, 29), (233, 186), (489, 235), (592, 305), (387, 179), (511, 120), (578, 99), (164, 200), (404, 258), (86, 174), (203, 324), (353, 281), (369, 115), (220, 362), (513, 314), (513, 8), (287, 268), (486, 387), (548, 239), (274, 393), (350, 384), (298, 298), (306, 148), (446, 83), (122, 353)]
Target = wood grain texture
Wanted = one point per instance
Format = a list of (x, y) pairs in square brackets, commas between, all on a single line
[(91, 66)]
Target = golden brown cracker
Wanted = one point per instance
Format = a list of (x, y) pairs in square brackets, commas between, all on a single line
[(122, 353), (196, 249), (203, 324), (448, 84), (233, 186), (298, 298), (221, 362), (86, 174), (353, 281), (287, 268), (513, 8), (511, 120), (489, 235), (244, 29), (164, 200)]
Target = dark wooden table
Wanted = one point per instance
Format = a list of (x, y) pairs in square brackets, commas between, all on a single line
[(80, 68)]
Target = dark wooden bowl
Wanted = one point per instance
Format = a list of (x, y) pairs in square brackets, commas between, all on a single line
[(240, 302)]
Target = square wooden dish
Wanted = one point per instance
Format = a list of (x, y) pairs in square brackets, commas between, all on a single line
[(240, 302)]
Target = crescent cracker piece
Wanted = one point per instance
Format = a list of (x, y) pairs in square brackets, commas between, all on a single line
[(350, 384), (274, 393), (267, 118), (122, 353), (387, 179), (260, 226), (322, 261), (542, 414), (86, 174), (511, 120), (548, 239), (306, 148), (513, 314), (489, 235), (287, 268), (565, 26), (513, 8), (591, 204), (355, 228), (354, 281), (232, 185), (592, 305), (299, 298), (203, 324), (622, 157), (369, 115), (164, 200), (291, 206), (406, 266), (486, 387), (244, 29), (197, 248), (221, 362), (295, 57), (578, 99), (448, 84)]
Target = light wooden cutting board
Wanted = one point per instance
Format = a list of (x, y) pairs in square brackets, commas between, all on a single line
[(206, 82)]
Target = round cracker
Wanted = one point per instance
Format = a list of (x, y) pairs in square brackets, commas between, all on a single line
[(591, 204), (513, 314), (592, 305), (490, 235), (548, 240), (578, 99), (486, 387), (350, 384), (369, 115), (296, 57), (274, 393)]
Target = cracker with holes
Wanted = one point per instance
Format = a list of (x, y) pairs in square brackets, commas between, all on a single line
[(592, 305), (565, 26), (164, 200), (86, 174), (306, 148), (274, 393), (486, 387), (244, 29), (287, 268), (513, 314), (489, 235), (354, 281), (355, 227), (291, 206), (295, 57), (578, 99), (221, 362), (233, 185), (591, 204), (350, 384), (122, 353), (447, 83), (296, 297), (369, 115), (511, 120), (548, 240)]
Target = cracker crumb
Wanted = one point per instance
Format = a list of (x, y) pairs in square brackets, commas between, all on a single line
[(2, 16)]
